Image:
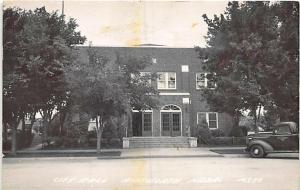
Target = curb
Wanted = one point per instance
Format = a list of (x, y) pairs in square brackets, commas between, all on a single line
[(89, 155), (157, 156)]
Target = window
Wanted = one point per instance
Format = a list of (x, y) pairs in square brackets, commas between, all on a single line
[(166, 80), (147, 121), (211, 119), (283, 129), (176, 122), (200, 80), (205, 80), (165, 122), (184, 68), (154, 60), (170, 108)]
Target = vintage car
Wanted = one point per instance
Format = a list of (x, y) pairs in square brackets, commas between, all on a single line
[(283, 139)]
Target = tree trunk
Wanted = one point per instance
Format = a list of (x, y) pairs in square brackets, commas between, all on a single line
[(14, 140), (99, 136), (32, 121), (45, 128), (4, 132), (236, 120), (62, 117), (129, 132), (236, 130), (255, 120), (23, 125), (45, 132), (259, 110)]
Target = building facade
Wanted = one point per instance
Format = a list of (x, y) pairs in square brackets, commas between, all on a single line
[(180, 80)]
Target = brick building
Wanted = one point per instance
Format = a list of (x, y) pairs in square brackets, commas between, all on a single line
[(179, 82)]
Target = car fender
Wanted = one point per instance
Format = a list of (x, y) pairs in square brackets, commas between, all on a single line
[(267, 147)]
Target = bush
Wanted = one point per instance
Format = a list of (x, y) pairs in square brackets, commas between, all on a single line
[(204, 134), (24, 139), (217, 133), (236, 132), (217, 137), (64, 142), (115, 143)]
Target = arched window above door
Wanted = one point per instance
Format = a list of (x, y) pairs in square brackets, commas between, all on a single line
[(171, 108)]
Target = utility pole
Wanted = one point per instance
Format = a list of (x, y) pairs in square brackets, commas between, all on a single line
[(62, 7)]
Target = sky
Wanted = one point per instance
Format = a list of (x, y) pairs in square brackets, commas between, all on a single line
[(131, 23)]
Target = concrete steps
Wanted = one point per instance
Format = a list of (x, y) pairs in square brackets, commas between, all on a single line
[(158, 142)]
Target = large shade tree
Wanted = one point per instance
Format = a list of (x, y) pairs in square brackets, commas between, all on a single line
[(37, 46), (253, 50), (106, 89)]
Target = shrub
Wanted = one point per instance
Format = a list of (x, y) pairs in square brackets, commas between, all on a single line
[(24, 139), (217, 133), (204, 134), (115, 143), (236, 132)]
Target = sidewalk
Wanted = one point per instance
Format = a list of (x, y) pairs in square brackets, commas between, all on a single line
[(167, 153), (121, 153)]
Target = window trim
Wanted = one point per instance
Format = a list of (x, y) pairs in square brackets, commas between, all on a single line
[(207, 119), (205, 81), (167, 81)]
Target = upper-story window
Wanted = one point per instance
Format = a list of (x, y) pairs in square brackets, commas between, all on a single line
[(166, 80), (205, 80)]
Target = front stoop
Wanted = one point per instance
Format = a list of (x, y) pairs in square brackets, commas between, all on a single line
[(159, 142)]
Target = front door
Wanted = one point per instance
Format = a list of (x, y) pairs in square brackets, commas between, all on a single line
[(171, 124), (142, 124), (147, 124)]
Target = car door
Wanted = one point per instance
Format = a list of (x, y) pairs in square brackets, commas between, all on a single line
[(283, 139)]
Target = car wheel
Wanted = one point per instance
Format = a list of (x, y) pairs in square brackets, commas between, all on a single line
[(257, 151)]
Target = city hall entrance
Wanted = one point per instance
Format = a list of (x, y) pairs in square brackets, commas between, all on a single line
[(142, 123), (170, 121)]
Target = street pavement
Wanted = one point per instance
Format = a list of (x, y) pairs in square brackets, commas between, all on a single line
[(276, 172)]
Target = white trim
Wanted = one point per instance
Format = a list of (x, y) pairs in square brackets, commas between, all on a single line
[(142, 111), (167, 80), (207, 119), (174, 93)]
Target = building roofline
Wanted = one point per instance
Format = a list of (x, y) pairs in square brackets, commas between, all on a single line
[(148, 47)]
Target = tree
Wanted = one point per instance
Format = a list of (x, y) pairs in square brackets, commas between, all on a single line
[(246, 51), (14, 101), (37, 46), (104, 89)]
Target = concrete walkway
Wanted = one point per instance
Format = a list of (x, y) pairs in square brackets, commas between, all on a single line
[(167, 152), (122, 153)]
